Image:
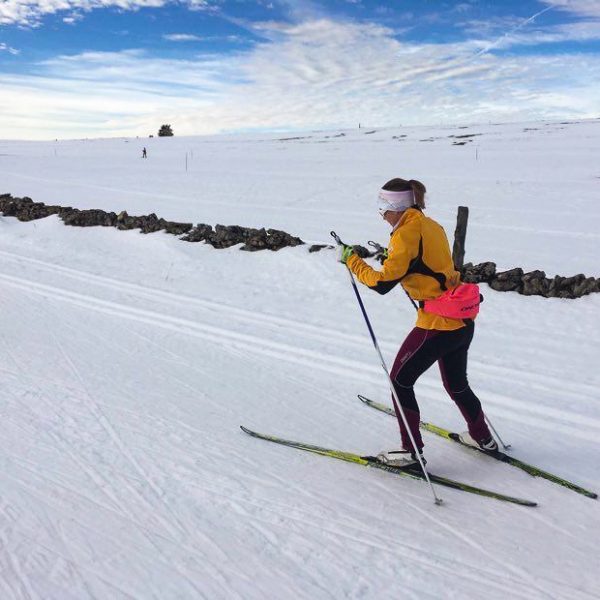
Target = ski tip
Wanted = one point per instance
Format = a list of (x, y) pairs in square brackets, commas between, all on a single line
[(252, 433)]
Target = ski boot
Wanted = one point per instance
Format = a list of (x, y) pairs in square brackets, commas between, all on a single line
[(487, 445)]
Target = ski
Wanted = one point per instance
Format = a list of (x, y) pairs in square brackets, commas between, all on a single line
[(497, 454), (371, 461)]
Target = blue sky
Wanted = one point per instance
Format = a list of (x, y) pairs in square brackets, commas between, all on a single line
[(87, 68)]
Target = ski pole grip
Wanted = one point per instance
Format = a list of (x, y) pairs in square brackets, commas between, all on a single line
[(336, 237)]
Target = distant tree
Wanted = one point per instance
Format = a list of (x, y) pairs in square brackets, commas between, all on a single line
[(165, 131)]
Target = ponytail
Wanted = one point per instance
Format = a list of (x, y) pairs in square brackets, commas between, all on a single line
[(402, 185), (419, 192)]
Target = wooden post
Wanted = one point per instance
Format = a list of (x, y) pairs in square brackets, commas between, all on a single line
[(460, 234)]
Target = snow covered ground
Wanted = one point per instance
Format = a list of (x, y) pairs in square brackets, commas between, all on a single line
[(128, 362)]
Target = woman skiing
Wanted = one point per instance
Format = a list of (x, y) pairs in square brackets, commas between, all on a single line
[(419, 258)]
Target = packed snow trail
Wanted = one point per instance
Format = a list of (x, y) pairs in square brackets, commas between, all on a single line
[(502, 456), (127, 363), (120, 440)]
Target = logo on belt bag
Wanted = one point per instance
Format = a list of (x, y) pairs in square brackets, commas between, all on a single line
[(460, 303)]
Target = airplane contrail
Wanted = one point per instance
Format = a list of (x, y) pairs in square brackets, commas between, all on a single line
[(519, 26)]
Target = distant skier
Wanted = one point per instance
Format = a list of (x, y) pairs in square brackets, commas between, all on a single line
[(419, 258), (144, 153)]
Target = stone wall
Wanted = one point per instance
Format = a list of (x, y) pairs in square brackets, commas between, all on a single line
[(223, 236), (253, 239), (533, 283)]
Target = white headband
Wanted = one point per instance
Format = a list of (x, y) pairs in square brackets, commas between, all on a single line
[(395, 201)]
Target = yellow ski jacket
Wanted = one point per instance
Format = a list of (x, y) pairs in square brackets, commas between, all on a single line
[(419, 259)]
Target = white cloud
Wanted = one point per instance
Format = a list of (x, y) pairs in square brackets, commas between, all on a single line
[(317, 73), (582, 8), (200, 5), (182, 37), (30, 12), (506, 32), (73, 18), (5, 48), (492, 26), (582, 31)]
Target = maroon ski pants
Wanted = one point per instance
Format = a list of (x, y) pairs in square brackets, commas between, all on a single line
[(419, 351)]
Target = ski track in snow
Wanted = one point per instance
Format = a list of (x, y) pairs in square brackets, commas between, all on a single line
[(505, 407), (154, 195), (149, 494), (518, 584), (299, 329), (125, 474), (168, 527)]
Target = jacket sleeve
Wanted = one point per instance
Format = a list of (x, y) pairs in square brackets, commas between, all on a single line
[(403, 248)]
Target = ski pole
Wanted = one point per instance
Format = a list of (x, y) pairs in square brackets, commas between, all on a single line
[(505, 446), (399, 408), (379, 248)]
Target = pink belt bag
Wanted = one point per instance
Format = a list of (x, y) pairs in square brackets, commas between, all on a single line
[(460, 303)]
